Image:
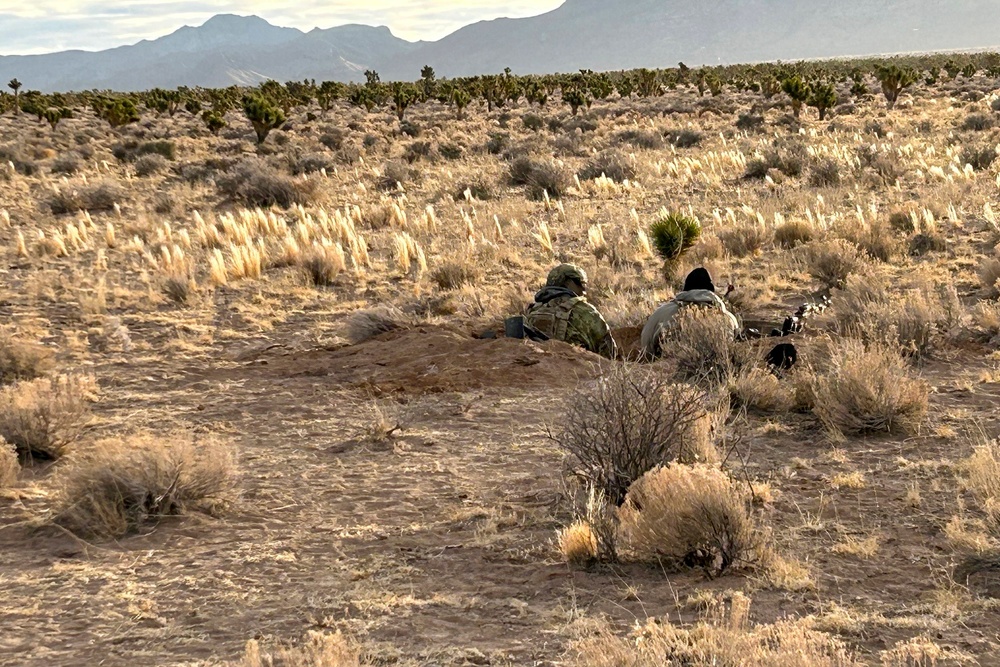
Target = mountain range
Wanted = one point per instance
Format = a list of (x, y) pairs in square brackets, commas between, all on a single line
[(580, 34)]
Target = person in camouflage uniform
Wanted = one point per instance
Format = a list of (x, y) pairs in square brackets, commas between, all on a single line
[(561, 312)]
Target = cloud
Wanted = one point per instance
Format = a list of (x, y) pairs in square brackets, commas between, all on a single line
[(43, 26)]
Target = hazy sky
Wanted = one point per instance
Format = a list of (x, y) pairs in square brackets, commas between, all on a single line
[(42, 26)]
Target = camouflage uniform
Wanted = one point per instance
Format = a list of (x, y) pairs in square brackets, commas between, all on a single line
[(560, 314)]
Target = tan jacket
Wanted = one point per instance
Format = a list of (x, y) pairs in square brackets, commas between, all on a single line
[(661, 320)]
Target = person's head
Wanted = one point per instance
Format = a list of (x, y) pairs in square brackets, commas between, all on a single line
[(699, 279), (568, 276)]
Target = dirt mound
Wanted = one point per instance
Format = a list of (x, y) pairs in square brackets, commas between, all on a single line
[(431, 359)]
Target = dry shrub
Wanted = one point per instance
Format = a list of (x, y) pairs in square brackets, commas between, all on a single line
[(989, 275), (875, 238), (364, 325), (151, 164), (254, 183), (394, 176), (869, 390), (981, 475), (830, 262), (824, 173), (646, 139), (745, 238), (43, 417), (21, 359), (540, 176), (724, 636), (866, 309), (117, 487), (100, 196), (701, 346), (9, 466), (793, 233), (688, 515), (921, 652), (319, 650), (757, 389), (628, 422), (612, 164), (452, 274)]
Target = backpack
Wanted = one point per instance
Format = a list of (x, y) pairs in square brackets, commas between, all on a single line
[(551, 319)]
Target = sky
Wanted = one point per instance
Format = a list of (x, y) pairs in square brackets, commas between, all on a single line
[(44, 26)]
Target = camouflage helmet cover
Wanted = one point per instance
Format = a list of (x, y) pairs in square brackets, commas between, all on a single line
[(564, 273)]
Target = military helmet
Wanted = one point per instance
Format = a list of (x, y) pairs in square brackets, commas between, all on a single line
[(564, 273)]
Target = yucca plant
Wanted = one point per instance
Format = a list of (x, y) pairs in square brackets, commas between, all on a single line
[(673, 234), (263, 115)]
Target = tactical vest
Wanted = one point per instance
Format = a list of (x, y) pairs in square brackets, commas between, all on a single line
[(552, 318)]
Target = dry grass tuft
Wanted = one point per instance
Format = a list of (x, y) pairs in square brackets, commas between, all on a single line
[(323, 262), (848, 480), (22, 360), (319, 650), (578, 543), (724, 636), (363, 325), (117, 487), (981, 475), (793, 233), (757, 389), (43, 417), (628, 422), (869, 390), (453, 274), (685, 515), (9, 465)]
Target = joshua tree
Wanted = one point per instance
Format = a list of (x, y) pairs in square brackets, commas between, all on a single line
[(327, 93), (428, 82), (575, 98), (363, 96), (822, 97), (403, 95), (15, 85), (117, 112), (798, 90), (461, 98), (894, 80), (53, 115), (263, 115), (647, 83), (213, 121)]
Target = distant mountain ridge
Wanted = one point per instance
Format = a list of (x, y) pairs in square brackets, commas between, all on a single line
[(580, 34), (225, 50)]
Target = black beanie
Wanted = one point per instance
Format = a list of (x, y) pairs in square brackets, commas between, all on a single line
[(700, 278)]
